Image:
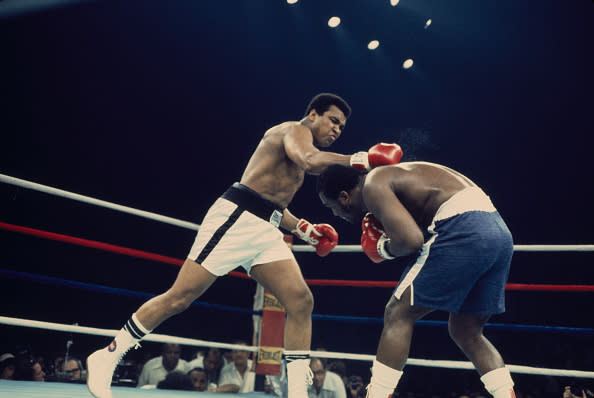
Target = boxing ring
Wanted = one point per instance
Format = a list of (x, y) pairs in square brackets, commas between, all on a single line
[(32, 389)]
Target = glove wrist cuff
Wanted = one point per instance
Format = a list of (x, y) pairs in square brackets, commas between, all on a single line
[(382, 250), (360, 160), (304, 231)]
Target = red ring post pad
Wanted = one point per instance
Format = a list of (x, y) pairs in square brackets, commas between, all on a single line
[(270, 347)]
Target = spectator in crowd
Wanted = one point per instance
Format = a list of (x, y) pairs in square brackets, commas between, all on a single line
[(236, 376), (326, 384), (37, 372), (158, 368), (176, 381), (28, 369), (73, 369), (212, 364), (26, 366), (7, 366), (199, 379), (212, 353), (354, 386)]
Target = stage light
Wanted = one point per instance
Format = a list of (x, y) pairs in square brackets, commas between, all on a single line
[(373, 44), (292, 1), (407, 64), (428, 23), (394, 3), (334, 22)]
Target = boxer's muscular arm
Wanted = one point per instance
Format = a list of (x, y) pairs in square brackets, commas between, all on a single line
[(289, 221), (300, 149), (405, 235)]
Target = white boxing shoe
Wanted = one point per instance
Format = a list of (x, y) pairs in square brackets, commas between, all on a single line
[(100, 368)]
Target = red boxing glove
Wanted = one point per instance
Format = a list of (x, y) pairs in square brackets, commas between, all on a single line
[(381, 154), (321, 236), (374, 239)]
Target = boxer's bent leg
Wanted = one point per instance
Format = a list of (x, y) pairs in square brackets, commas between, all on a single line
[(285, 281), (399, 321), (467, 332), (394, 344), (191, 282)]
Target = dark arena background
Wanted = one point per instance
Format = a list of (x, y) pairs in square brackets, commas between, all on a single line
[(157, 106)]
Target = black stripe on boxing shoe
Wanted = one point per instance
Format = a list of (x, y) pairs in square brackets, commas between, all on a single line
[(134, 330)]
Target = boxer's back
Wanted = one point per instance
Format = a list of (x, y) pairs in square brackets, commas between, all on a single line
[(422, 187)]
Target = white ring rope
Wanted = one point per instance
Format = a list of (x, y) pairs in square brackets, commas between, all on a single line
[(518, 248), (189, 225), (97, 202), (154, 337)]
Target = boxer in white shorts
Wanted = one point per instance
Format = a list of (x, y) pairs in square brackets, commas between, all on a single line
[(241, 229)]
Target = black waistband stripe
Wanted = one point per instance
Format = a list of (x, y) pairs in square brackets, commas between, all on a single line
[(253, 202)]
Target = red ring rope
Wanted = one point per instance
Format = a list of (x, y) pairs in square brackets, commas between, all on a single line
[(314, 282)]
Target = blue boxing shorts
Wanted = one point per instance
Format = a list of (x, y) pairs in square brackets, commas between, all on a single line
[(240, 229), (464, 264)]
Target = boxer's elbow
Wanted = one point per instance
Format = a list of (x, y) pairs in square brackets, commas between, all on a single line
[(407, 244), (313, 164)]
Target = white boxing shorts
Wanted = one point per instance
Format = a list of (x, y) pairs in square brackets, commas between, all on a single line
[(240, 229)]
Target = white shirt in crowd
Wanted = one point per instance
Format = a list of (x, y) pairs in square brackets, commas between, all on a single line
[(230, 375), (153, 371), (332, 387)]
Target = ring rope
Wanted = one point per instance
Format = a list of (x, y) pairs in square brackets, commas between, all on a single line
[(108, 289), (154, 337), (517, 248), (297, 248), (97, 202), (313, 282), (340, 318), (189, 225)]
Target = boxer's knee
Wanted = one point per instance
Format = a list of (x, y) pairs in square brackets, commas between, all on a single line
[(466, 329), (300, 302)]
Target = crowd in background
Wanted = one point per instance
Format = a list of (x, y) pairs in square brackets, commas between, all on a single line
[(230, 371)]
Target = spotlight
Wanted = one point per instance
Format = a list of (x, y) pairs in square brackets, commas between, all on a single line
[(407, 64), (394, 3), (373, 44), (292, 1), (334, 22), (428, 23)]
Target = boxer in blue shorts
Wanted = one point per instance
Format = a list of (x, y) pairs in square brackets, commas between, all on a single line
[(463, 252), (242, 229)]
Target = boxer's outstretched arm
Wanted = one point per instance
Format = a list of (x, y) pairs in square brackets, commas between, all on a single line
[(299, 146)]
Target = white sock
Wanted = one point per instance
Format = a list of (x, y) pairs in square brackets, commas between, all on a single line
[(128, 336), (384, 380), (297, 371), (499, 383)]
